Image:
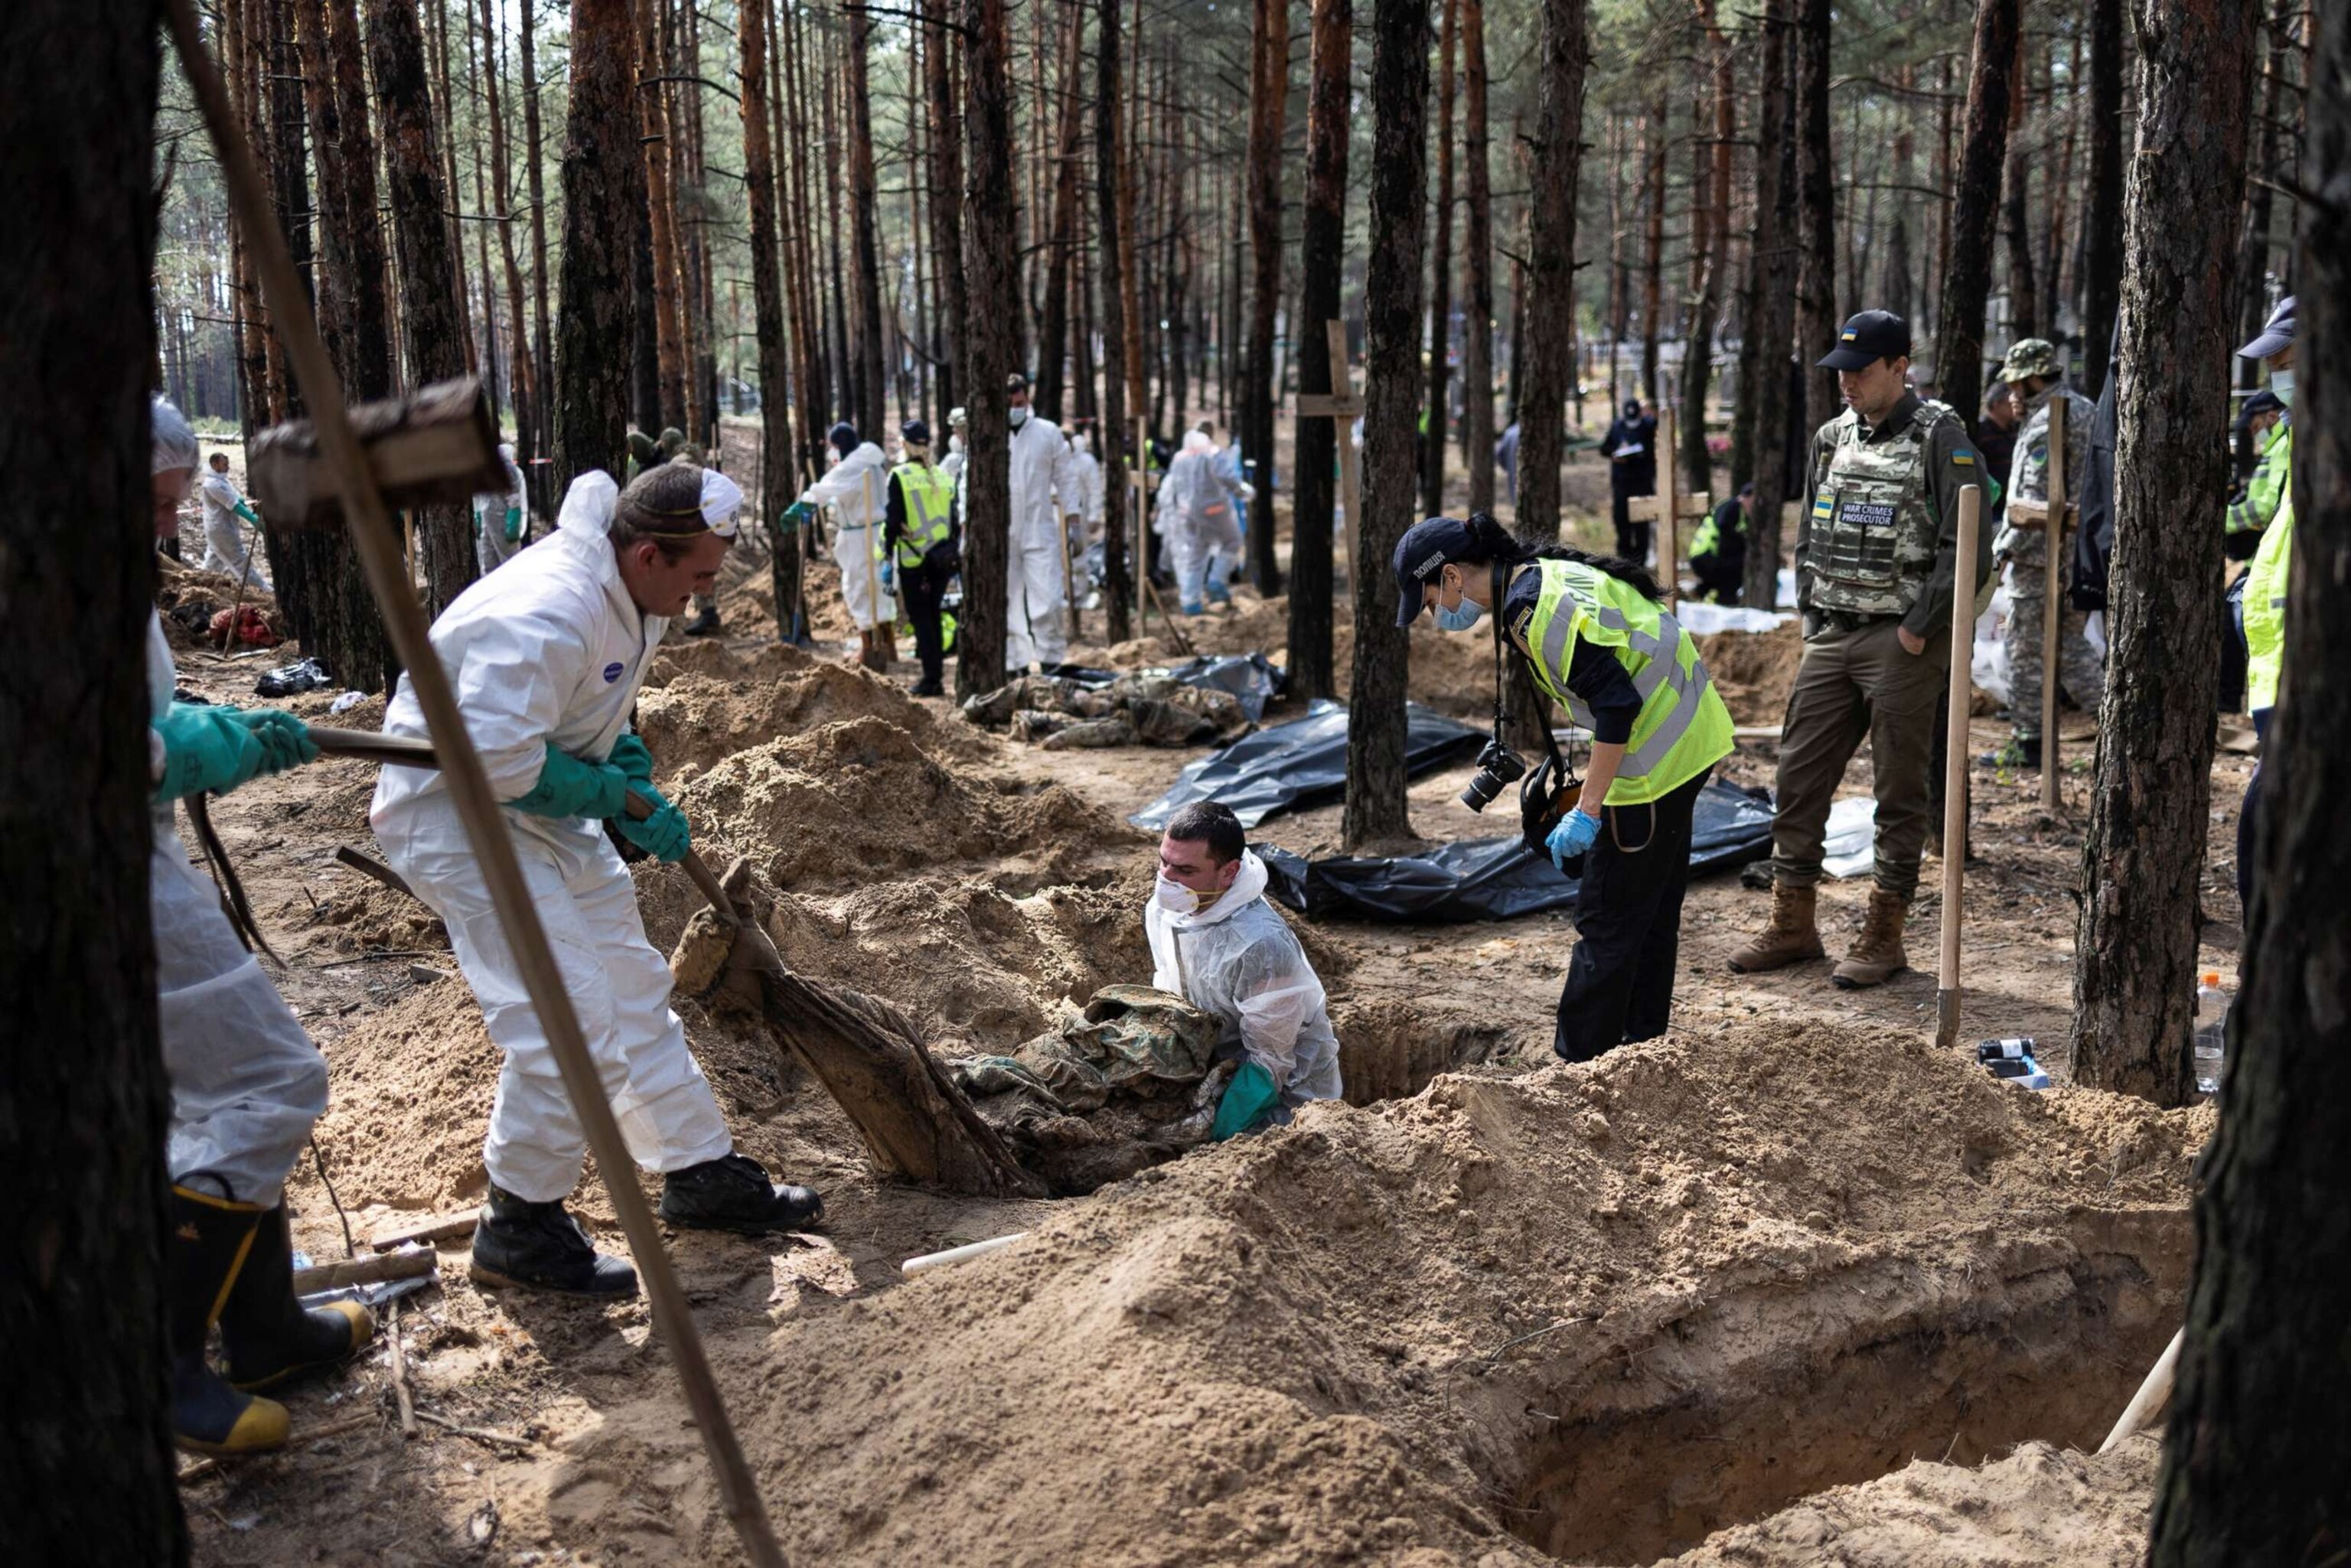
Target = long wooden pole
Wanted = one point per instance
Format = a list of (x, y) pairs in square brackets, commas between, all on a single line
[(1669, 506), (2053, 613), (2153, 1394), (1955, 770), (373, 536)]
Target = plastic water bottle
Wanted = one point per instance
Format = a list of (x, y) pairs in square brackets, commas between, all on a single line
[(2211, 1034)]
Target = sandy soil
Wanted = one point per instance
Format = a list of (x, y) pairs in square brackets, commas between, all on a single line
[(1787, 1287)]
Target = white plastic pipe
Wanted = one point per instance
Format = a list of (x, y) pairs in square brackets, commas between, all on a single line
[(2148, 1402), (930, 1260)]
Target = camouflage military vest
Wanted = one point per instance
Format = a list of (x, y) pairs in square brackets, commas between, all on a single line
[(1874, 526)]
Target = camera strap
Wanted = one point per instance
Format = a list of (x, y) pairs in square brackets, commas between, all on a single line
[(1502, 695)]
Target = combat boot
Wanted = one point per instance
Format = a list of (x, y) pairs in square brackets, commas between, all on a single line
[(205, 1249), (704, 624), (267, 1333), (1877, 956), (539, 1246), (733, 1193), (1791, 937), (2019, 754)]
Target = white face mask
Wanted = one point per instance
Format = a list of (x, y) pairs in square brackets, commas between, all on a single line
[(955, 443), (2281, 384), (1176, 898), (1019, 414)]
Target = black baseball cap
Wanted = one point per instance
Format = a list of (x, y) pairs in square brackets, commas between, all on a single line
[(915, 433), (1426, 546), (1872, 336)]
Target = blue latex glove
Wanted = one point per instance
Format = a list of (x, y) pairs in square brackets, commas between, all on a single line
[(285, 740), (514, 524), (205, 748), (798, 511), (1249, 1098), (569, 787), (1577, 832), (664, 835), (889, 576)]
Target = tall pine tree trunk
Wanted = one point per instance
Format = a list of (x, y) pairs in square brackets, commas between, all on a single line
[(864, 199), (1321, 257), (432, 333), (1711, 210), (603, 201), (1554, 158), (2253, 249), (542, 476), (1440, 285), (1054, 343), (1816, 307), (2135, 946), (2016, 196), (83, 1094), (1478, 325), (2101, 201), (992, 264), (1772, 316), (1653, 245), (667, 302), (2255, 1470), (518, 356), (1269, 97), (777, 489), (1374, 813), (1110, 220), (1966, 276)]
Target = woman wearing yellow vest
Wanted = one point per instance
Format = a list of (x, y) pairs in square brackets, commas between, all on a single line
[(2265, 581), (1595, 635), (919, 549)]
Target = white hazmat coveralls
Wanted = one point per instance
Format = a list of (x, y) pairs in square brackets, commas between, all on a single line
[(550, 649), (1239, 960), (492, 549), (1195, 501), (1089, 482), (1036, 575), (858, 489), (227, 549), (247, 1082)]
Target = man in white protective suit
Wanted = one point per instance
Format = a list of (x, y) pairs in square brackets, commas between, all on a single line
[(247, 1082), (546, 654), (1196, 502), (225, 549), (501, 517), (1045, 503), (1217, 943), (857, 488)]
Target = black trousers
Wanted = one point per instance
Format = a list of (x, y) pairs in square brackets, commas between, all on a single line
[(2249, 820), (922, 589), (1628, 917), (1632, 538), (1719, 578)]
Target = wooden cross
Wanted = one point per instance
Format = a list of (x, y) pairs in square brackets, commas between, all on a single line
[(1668, 507), (1342, 406)]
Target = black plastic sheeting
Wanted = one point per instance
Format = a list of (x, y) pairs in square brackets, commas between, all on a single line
[(1492, 879), (1302, 763)]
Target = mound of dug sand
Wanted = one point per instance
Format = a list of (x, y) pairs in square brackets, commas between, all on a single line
[(711, 704), (1755, 671), (1598, 1313), (848, 803)]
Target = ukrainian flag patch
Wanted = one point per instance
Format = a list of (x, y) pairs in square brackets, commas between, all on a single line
[(1964, 459)]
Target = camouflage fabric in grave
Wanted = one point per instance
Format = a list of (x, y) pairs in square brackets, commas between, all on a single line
[(1133, 709)]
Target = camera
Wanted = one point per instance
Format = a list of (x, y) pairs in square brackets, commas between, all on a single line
[(1498, 768)]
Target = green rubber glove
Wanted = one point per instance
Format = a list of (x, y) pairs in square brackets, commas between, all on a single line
[(1248, 1099), (568, 787), (633, 757), (205, 748), (514, 524), (245, 511), (664, 835), (798, 511), (285, 740)]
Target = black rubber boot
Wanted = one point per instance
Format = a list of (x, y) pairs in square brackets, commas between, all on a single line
[(733, 1193), (209, 1237), (267, 1335), (539, 1246), (704, 624)]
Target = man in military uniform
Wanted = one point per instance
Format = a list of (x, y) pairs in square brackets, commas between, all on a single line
[(1876, 554), (2034, 370)]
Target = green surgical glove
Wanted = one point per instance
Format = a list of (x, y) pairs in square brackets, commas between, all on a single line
[(514, 524), (205, 748), (664, 835), (569, 787), (245, 511), (285, 740), (633, 757), (1248, 1099), (798, 511)]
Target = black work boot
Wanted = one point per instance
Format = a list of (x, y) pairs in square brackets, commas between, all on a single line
[(539, 1246), (268, 1335), (2021, 753), (206, 1248), (733, 1193), (704, 624), (932, 684)]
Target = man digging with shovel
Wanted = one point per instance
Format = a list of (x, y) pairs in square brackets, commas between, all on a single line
[(547, 655)]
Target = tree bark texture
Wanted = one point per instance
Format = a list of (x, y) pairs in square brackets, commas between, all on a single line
[(2253, 250), (1773, 313), (1434, 444), (89, 1476), (992, 266), (603, 198), (667, 301), (1816, 304), (865, 238), (777, 489), (1269, 97), (2254, 1465), (1554, 158), (539, 475), (1653, 244), (1375, 812), (2135, 948), (947, 197), (1053, 342), (1711, 203), (1320, 257), (1966, 276), (1110, 159), (1478, 236), (433, 335), (2024, 313), (2102, 201)]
